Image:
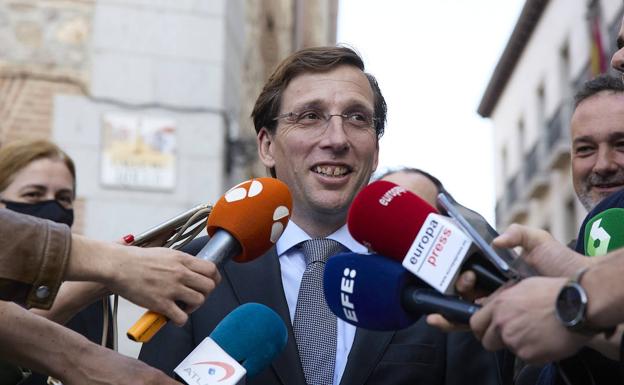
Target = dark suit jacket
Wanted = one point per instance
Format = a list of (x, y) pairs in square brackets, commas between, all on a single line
[(418, 355)]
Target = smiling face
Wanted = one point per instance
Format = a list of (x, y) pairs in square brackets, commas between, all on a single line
[(598, 147), (324, 167), (41, 180)]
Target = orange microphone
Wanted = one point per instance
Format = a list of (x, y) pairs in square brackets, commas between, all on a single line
[(243, 225)]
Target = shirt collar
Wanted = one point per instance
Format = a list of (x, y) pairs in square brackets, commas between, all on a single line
[(294, 235)]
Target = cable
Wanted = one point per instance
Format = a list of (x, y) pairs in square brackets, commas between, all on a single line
[(115, 334), (105, 308), (181, 237), (185, 237)]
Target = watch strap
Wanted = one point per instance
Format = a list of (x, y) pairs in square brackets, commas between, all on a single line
[(584, 327), (576, 278)]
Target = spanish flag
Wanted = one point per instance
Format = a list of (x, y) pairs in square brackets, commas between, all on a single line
[(598, 59)]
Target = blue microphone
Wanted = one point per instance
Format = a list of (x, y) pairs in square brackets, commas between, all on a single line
[(242, 345), (374, 292), (253, 334)]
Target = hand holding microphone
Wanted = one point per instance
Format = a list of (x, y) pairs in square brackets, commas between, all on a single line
[(245, 222), (540, 250), (522, 319), (150, 277)]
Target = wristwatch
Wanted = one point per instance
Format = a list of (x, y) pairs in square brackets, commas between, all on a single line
[(571, 308), (571, 304)]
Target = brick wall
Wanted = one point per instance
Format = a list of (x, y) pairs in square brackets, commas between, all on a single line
[(27, 106)]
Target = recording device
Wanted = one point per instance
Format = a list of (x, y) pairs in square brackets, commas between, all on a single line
[(243, 225), (396, 223), (482, 235), (244, 343), (177, 225), (374, 292)]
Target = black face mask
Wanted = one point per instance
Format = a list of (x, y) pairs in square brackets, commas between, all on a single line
[(51, 210)]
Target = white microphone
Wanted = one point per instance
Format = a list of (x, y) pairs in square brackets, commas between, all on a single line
[(209, 364)]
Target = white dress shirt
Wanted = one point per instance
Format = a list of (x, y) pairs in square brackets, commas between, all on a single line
[(292, 263)]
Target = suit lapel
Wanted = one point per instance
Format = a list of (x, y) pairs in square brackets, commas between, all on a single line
[(261, 281), (368, 348)]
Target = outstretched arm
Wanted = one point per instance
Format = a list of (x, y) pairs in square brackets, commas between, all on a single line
[(32, 341)]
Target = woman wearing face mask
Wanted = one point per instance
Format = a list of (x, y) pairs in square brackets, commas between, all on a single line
[(37, 178)]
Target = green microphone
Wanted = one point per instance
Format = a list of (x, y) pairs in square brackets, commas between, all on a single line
[(604, 232)]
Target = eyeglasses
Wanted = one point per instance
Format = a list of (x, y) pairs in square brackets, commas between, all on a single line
[(318, 119)]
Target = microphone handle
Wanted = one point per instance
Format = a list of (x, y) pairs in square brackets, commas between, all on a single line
[(220, 246), (427, 301)]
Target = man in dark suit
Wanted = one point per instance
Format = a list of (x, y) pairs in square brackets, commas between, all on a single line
[(319, 119)]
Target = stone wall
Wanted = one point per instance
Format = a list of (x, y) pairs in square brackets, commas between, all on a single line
[(49, 37), (44, 53)]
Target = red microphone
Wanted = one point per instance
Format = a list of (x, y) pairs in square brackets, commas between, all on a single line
[(386, 217), (398, 224), (243, 225)]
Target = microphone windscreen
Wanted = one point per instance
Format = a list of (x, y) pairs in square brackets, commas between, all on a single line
[(253, 335), (255, 212), (366, 290), (615, 200), (604, 232), (386, 218)]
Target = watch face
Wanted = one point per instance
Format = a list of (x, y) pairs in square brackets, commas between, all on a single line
[(570, 304)]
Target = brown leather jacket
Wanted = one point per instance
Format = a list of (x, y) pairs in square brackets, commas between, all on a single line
[(33, 258)]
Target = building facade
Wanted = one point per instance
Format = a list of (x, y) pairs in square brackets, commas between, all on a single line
[(530, 100)]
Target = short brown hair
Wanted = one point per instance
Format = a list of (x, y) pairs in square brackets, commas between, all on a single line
[(16, 155), (315, 60)]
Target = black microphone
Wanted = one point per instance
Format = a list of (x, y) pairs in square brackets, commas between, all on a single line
[(428, 301)]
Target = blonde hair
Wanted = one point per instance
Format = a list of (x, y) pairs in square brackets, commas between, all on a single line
[(16, 155)]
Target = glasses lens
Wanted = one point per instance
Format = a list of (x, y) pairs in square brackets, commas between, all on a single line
[(359, 119), (310, 118)]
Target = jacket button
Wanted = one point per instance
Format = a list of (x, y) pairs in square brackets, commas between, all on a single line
[(43, 292)]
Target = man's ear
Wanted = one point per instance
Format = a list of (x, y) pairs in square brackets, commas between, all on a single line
[(376, 159), (265, 148)]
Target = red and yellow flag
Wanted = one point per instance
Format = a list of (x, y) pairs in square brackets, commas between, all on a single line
[(598, 59)]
